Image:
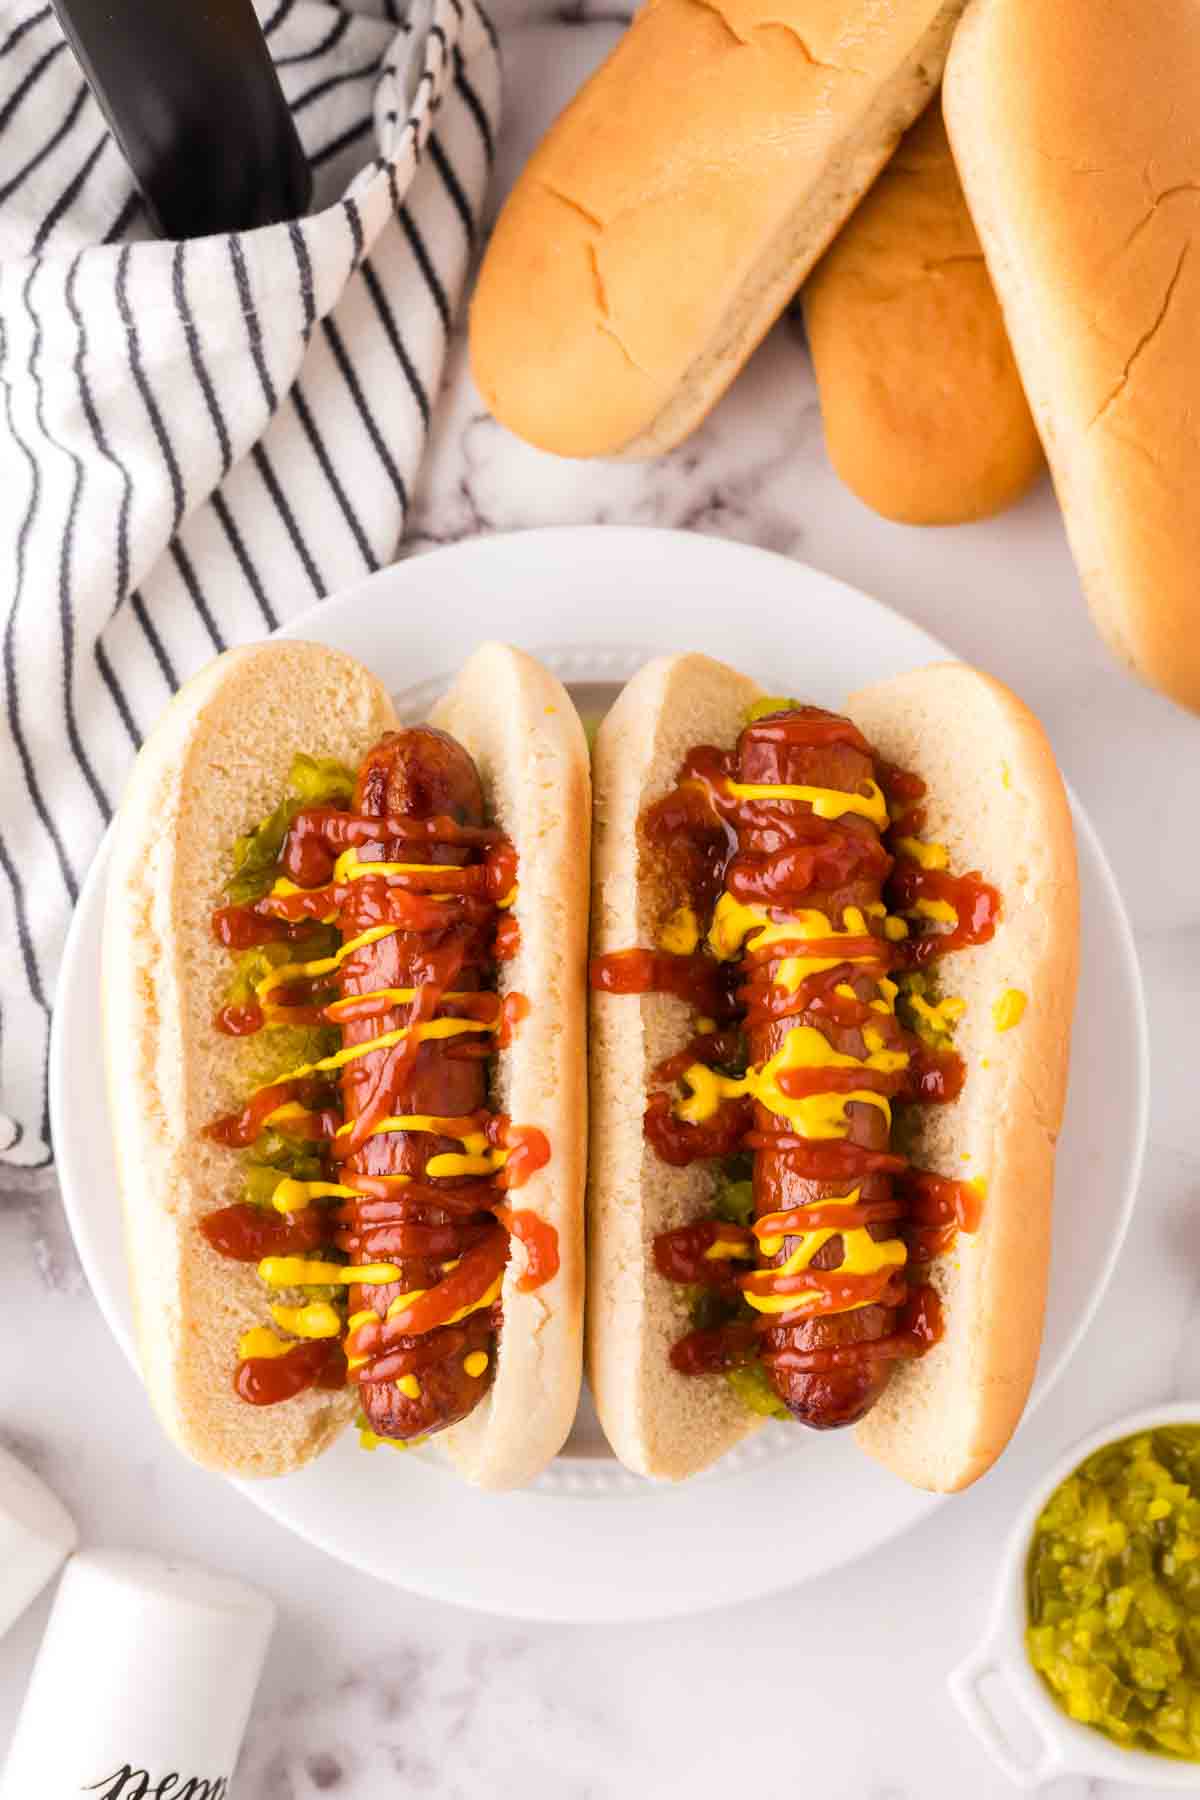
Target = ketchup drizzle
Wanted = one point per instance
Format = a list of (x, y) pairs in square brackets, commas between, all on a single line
[(420, 1222)]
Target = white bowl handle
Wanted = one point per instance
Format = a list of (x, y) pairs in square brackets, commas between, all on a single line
[(964, 1685)]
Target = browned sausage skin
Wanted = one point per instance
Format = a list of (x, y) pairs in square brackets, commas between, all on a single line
[(839, 1396), (419, 773), (775, 854)]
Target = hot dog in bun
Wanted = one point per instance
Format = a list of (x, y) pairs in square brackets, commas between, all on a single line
[(834, 962), (343, 978)]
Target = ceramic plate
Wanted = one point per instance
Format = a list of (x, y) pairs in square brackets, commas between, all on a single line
[(591, 1541)]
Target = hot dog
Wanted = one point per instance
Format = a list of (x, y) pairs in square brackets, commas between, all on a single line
[(811, 748), (812, 954), (391, 958), (420, 774)]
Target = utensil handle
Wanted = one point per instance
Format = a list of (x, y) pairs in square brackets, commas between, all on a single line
[(194, 102), (964, 1683)]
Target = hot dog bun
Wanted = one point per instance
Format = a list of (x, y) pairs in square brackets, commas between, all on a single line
[(217, 763), (217, 760), (925, 417), (671, 212), (659, 1423), (517, 722), (1075, 131), (997, 802)]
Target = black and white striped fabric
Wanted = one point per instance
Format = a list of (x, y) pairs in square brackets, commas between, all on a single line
[(199, 440)]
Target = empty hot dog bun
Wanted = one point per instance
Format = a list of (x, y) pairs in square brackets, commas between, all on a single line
[(1075, 132), (670, 213), (995, 804), (925, 417), (215, 767)]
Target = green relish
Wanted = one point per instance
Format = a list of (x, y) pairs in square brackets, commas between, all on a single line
[(752, 1385), (1113, 1589), (312, 781), (709, 1310), (769, 705)]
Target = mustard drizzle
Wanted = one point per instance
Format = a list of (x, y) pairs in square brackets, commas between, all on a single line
[(319, 1319), (737, 928)]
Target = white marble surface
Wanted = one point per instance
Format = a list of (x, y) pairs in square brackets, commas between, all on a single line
[(836, 1690)]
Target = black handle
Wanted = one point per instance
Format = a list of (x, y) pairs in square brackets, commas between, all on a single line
[(193, 100)]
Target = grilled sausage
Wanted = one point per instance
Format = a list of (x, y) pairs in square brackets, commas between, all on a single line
[(417, 773), (852, 879)]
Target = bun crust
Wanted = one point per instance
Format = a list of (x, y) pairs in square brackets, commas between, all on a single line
[(997, 801), (1076, 133), (672, 210), (214, 767), (925, 417), (519, 724)]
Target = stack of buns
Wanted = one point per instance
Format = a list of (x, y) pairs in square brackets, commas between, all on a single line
[(710, 171)]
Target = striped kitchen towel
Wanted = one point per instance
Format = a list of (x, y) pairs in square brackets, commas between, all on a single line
[(198, 440)]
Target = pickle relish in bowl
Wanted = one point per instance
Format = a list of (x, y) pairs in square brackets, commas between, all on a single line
[(1113, 1592)]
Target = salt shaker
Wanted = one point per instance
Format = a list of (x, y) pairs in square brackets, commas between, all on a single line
[(143, 1684)]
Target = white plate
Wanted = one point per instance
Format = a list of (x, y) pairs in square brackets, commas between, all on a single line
[(591, 1542)]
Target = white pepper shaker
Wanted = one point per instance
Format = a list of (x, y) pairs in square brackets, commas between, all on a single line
[(143, 1683), (37, 1534)]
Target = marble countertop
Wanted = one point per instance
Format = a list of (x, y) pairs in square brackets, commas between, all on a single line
[(836, 1689)]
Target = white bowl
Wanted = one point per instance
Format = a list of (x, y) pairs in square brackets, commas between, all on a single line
[(1063, 1747)]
